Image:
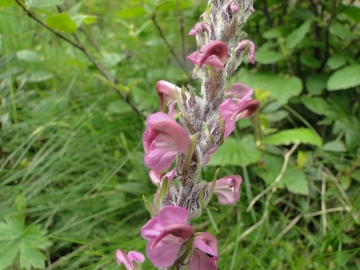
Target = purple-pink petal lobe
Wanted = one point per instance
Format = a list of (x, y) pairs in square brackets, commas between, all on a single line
[(163, 139), (213, 54), (251, 52), (227, 189), (128, 259)]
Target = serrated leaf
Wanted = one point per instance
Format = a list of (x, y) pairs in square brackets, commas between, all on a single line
[(61, 22), (341, 31), (291, 136), (336, 61), (281, 88), (315, 84), (42, 3), (236, 152), (315, 104), (28, 56), (297, 35), (267, 56), (344, 78), (297, 183), (15, 237), (334, 146)]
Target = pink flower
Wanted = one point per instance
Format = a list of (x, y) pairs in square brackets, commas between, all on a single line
[(157, 178), (239, 105), (227, 189), (162, 140), (205, 253), (127, 260), (213, 54), (234, 7), (251, 52), (166, 234), (167, 91), (199, 28)]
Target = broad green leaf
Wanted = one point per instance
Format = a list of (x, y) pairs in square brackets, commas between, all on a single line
[(297, 182), (118, 107), (239, 152), (79, 19), (315, 104), (291, 136), (309, 61), (334, 146), (28, 56), (277, 32), (297, 35), (336, 61), (281, 88), (61, 22), (131, 12), (293, 179), (267, 56), (7, 3), (341, 31), (111, 59), (42, 3), (352, 12), (39, 76), (15, 238), (344, 78), (316, 84)]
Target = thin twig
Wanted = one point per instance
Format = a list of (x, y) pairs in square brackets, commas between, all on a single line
[(152, 17), (80, 47), (278, 178), (288, 227), (323, 204), (181, 26), (329, 210)]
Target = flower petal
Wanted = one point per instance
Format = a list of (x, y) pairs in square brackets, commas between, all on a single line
[(227, 189)]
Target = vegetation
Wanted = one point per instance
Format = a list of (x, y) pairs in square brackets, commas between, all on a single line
[(77, 80)]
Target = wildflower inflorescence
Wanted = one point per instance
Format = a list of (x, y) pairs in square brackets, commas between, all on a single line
[(192, 129)]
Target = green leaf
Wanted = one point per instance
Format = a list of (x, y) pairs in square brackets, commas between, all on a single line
[(294, 179), (111, 59), (39, 76), (28, 56), (7, 3), (291, 136), (341, 31), (61, 22), (334, 146), (267, 56), (352, 12), (281, 88), (42, 3), (118, 107), (15, 238), (336, 61), (297, 35), (297, 183), (344, 78), (131, 12), (236, 152), (315, 104), (309, 61), (79, 19), (315, 84), (276, 32)]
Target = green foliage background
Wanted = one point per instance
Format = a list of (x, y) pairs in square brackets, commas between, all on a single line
[(71, 157)]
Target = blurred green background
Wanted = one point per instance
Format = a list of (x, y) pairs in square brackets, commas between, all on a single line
[(72, 118)]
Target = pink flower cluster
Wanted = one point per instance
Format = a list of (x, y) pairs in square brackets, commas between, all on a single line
[(179, 143)]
